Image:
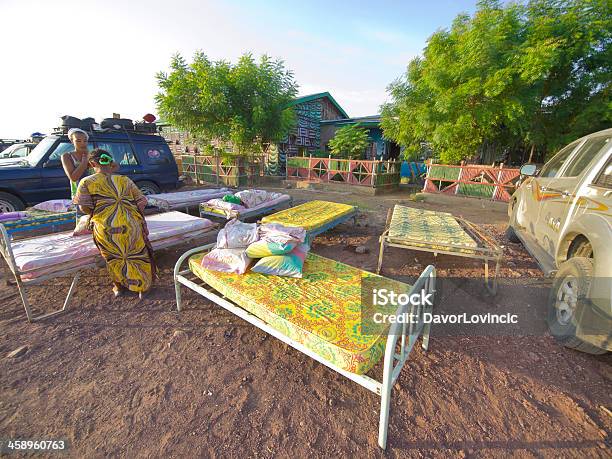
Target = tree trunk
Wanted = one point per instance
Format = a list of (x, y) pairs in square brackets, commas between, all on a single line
[(531, 153)]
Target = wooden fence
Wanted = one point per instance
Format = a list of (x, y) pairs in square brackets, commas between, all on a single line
[(495, 183), (374, 174), (219, 170)]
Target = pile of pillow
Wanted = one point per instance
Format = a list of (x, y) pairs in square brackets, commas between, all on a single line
[(242, 200), (280, 250), (56, 205)]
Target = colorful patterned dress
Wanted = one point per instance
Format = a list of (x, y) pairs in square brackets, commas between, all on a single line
[(119, 228)]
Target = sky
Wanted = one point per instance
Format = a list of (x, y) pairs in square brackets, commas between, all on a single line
[(95, 58)]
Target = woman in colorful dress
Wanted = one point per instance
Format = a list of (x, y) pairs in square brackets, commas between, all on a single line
[(116, 206)]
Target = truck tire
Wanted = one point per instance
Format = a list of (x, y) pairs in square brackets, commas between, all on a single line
[(10, 203), (511, 235), (570, 287), (147, 187)]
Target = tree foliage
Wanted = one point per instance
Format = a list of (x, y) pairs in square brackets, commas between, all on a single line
[(245, 104), (535, 74), (350, 141)]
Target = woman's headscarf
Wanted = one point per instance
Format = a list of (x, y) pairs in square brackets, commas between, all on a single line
[(73, 131)]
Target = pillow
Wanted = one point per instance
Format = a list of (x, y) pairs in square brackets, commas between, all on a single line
[(263, 248), (56, 205), (232, 199), (237, 235), (226, 260), (275, 232), (253, 198), (9, 216), (82, 226), (223, 205), (289, 265)]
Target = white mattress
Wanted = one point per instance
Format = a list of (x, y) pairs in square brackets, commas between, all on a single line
[(253, 210), (43, 254), (185, 198)]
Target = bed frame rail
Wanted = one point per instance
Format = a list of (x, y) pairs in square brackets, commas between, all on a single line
[(404, 335)]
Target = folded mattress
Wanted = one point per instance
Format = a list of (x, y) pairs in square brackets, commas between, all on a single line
[(251, 211), (180, 199), (311, 215), (42, 255), (35, 219), (322, 310), (428, 229)]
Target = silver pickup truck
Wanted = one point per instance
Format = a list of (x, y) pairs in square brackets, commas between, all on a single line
[(563, 216)]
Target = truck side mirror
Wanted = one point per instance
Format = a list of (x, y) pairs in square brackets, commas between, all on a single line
[(528, 169)]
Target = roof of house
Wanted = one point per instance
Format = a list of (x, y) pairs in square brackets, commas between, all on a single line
[(372, 120), (320, 95)]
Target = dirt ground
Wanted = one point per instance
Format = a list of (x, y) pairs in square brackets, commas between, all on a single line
[(128, 378)]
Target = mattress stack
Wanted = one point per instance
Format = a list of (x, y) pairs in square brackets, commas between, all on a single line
[(182, 199)]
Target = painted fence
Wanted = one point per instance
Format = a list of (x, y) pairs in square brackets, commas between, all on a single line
[(374, 174), (495, 183), (218, 170)]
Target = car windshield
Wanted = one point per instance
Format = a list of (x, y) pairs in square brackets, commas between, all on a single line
[(41, 149)]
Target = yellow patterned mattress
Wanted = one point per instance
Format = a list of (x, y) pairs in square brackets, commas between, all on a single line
[(310, 215), (428, 227), (321, 311)]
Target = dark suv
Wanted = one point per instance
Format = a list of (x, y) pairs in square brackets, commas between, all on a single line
[(145, 158)]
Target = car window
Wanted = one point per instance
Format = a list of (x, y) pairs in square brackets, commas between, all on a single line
[(553, 166), (121, 152), (585, 155), (155, 154), (605, 178), (62, 147), (20, 152)]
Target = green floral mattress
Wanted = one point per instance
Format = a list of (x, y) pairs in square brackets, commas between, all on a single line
[(321, 311), (428, 228), (310, 215)]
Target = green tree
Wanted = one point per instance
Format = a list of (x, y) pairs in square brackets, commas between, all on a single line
[(534, 74), (350, 141), (243, 104)]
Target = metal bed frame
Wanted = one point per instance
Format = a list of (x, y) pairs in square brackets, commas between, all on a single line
[(488, 250), (247, 213), (64, 269), (393, 361)]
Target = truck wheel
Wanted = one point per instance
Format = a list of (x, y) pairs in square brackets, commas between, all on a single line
[(570, 287), (511, 235), (148, 187), (10, 203)]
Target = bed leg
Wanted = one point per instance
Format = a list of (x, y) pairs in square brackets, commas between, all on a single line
[(430, 287), (177, 288), (385, 402), (71, 291), (380, 255), (24, 300), (491, 285), (426, 331)]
